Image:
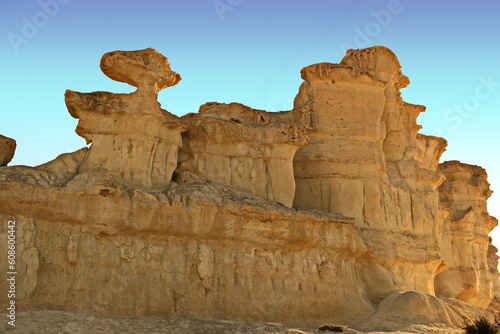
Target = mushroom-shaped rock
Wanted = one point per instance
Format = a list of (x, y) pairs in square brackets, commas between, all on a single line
[(131, 135), (146, 69), (7, 150)]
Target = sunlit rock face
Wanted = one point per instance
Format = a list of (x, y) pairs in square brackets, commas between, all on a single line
[(365, 160), (465, 241), (335, 211), (131, 135), (249, 149), (494, 265)]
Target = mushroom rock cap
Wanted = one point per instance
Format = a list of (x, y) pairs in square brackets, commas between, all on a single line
[(379, 61), (141, 69)]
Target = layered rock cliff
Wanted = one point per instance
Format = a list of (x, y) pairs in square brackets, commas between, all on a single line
[(365, 160), (494, 266), (250, 149), (335, 211), (465, 240)]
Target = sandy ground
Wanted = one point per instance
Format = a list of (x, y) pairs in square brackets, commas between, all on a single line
[(58, 322)]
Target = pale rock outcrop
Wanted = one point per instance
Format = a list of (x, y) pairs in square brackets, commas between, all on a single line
[(131, 135), (7, 150), (365, 160), (419, 309), (33, 176), (66, 163), (249, 149), (181, 217), (465, 240), (200, 249), (494, 266), (429, 151)]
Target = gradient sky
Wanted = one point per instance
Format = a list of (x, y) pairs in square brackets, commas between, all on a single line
[(251, 51)]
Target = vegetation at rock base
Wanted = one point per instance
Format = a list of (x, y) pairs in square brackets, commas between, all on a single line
[(331, 328), (483, 326)]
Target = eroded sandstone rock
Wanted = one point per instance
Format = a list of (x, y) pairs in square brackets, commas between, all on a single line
[(494, 266), (419, 309), (147, 69), (201, 249), (131, 135), (365, 160), (127, 228), (465, 240), (66, 163), (7, 150), (250, 149)]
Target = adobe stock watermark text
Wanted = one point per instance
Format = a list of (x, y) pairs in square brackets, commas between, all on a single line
[(11, 272), (32, 24)]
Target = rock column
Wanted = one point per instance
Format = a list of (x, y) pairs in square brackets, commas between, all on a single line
[(131, 135)]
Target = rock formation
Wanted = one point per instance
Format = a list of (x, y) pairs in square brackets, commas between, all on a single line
[(257, 159), (365, 160), (336, 211), (465, 238), (7, 150), (494, 266), (131, 136)]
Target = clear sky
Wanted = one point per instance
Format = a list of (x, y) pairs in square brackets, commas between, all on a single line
[(251, 51)]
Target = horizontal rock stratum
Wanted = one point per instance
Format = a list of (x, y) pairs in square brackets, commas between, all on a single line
[(337, 211)]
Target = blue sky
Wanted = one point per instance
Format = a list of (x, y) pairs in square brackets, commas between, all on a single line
[(251, 51)]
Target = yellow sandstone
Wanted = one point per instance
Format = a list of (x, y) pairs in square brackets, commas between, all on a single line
[(337, 211)]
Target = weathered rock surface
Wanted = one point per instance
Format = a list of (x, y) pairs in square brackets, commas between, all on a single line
[(65, 164), (258, 157), (7, 150), (494, 266), (465, 238), (334, 212), (199, 249), (365, 160), (131, 135), (419, 309)]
